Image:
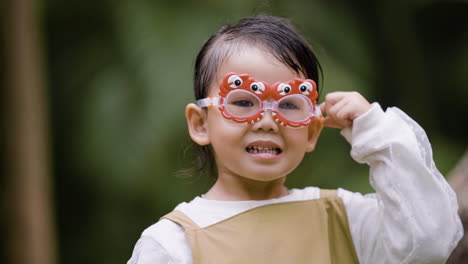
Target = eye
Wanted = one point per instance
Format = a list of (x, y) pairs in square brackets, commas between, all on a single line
[(288, 106), (243, 103), (305, 88), (257, 87), (284, 89), (235, 81)]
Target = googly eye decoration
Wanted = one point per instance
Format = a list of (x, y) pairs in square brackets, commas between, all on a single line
[(235, 81), (284, 89), (257, 87), (306, 88), (297, 86)]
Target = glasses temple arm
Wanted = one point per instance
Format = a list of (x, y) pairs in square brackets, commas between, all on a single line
[(208, 102)]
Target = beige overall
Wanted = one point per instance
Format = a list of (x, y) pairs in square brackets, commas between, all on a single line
[(311, 231)]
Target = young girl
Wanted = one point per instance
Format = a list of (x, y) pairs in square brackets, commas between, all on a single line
[(255, 118)]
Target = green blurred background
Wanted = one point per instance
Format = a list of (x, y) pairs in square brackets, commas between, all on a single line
[(119, 74)]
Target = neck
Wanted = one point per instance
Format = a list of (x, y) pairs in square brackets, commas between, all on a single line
[(238, 188)]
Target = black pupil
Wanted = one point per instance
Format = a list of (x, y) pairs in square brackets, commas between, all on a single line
[(255, 87), (288, 106), (303, 88), (243, 103), (287, 89), (237, 82)]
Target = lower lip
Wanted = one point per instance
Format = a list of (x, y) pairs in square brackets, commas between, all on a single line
[(265, 156)]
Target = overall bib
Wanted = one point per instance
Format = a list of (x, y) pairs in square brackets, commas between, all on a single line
[(310, 231)]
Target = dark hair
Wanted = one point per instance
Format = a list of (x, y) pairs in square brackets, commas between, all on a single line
[(276, 34)]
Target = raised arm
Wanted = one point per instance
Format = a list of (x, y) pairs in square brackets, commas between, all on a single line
[(413, 217)]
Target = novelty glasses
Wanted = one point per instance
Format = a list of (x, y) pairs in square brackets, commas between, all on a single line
[(243, 99)]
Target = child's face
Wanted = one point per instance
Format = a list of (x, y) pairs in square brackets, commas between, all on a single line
[(236, 144)]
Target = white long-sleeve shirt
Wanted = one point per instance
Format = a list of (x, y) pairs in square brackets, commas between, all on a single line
[(412, 217)]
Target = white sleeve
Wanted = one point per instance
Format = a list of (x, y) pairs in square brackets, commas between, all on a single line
[(412, 217), (162, 243), (149, 251)]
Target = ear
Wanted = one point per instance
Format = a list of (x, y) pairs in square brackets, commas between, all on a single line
[(197, 124), (314, 130)]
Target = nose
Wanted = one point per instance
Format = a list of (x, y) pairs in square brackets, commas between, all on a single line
[(266, 123)]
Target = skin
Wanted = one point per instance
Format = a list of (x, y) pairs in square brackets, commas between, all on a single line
[(241, 175)]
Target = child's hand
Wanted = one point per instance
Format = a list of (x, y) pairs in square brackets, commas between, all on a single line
[(341, 108)]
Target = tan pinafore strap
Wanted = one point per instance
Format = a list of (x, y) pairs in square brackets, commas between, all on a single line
[(184, 221), (311, 231), (327, 193), (181, 219)]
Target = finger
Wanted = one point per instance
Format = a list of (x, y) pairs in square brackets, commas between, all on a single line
[(345, 112), (330, 122), (322, 107), (338, 123), (334, 97), (336, 108), (334, 123)]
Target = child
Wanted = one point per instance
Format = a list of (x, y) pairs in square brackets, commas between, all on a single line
[(257, 115)]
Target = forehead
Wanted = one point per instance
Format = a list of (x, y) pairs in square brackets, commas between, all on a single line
[(256, 61)]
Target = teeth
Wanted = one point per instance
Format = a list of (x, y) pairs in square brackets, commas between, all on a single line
[(256, 150), (273, 113)]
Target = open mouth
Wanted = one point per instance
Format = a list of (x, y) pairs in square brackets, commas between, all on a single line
[(258, 150), (263, 148)]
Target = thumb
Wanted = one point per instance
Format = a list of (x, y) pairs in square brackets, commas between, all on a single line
[(330, 122), (322, 107)]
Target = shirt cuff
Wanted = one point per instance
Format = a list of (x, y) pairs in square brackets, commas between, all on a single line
[(363, 122)]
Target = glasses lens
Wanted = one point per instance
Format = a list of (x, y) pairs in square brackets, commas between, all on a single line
[(295, 107), (241, 103)]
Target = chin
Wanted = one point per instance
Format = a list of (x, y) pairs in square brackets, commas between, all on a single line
[(265, 176)]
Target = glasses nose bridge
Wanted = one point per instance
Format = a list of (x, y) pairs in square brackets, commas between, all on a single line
[(268, 105)]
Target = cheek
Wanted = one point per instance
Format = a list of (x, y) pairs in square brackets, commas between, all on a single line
[(297, 138), (224, 132), (297, 143)]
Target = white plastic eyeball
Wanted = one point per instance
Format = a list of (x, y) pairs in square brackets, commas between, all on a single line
[(257, 87), (305, 88), (284, 88), (235, 81)]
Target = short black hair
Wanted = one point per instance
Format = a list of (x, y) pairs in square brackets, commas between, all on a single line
[(275, 34)]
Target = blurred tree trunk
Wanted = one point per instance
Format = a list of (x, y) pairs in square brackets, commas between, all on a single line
[(458, 179), (31, 237)]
